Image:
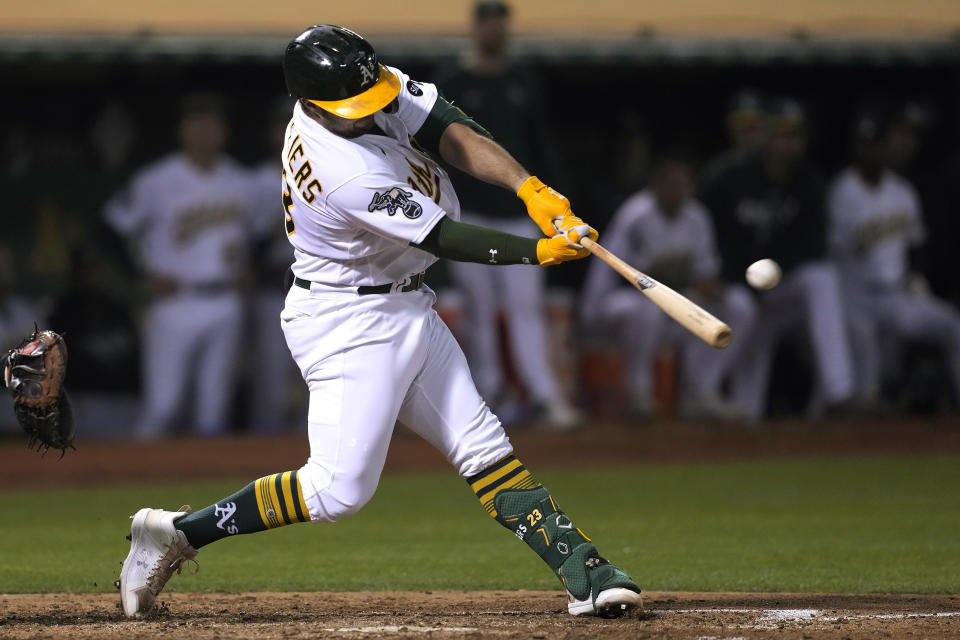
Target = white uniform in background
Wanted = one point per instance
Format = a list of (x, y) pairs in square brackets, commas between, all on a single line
[(272, 373), (872, 229), (18, 319), (517, 292), (354, 206), (647, 238), (189, 226)]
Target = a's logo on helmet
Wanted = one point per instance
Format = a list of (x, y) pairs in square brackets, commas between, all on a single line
[(393, 200), (414, 88), (368, 70)]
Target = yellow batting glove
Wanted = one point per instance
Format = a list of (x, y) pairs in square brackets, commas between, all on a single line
[(544, 204), (551, 251), (573, 228)]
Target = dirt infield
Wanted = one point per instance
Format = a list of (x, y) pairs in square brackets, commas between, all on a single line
[(603, 444), (483, 614)]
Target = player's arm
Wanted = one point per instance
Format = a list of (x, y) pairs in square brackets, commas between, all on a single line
[(706, 258), (446, 130), (484, 159), (442, 128), (841, 234), (463, 242), (469, 147)]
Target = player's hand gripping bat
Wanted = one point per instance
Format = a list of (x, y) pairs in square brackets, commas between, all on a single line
[(694, 318)]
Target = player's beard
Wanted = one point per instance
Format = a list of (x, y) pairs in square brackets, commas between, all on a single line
[(351, 128), (361, 126), (337, 125)]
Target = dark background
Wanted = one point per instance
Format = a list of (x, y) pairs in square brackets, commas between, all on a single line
[(679, 104), (54, 187)]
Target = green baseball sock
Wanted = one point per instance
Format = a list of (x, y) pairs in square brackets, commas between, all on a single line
[(272, 501), (521, 504)]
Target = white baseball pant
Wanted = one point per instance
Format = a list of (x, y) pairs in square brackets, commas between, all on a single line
[(368, 362), (808, 299), (882, 318), (190, 349), (643, 327)]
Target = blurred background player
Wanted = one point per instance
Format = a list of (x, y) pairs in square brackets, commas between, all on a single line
[(746, 125), (667, 234), (17, 313), (185, 217), (506, 98), (773, 207), (272, 372), (104, 372), (17, 318), (875, 220)]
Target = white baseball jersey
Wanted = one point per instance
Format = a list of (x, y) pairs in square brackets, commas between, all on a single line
[(190, 225), (354, 206), (872, 227)]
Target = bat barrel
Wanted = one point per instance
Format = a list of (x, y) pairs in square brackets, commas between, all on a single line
[(723, 338), (693, 317)]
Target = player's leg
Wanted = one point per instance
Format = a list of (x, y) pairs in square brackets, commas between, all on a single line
[(481, 301), (865, 345), (704, 368), (215, 362), (819, 287), (169, 337), (813, 290), (524, 307), (926, 319), (751, 371), (443, 406), (349, 436), (640, 328), (528, 339), (274, 372)]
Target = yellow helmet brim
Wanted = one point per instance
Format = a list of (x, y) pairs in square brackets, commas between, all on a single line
[(370, 101)]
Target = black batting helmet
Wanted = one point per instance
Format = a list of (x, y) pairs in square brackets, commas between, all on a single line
[(337, 70)]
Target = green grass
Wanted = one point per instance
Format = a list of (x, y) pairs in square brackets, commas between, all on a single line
[(834, 525)]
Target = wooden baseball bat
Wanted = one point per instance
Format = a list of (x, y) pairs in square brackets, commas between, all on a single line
[(691, 316)]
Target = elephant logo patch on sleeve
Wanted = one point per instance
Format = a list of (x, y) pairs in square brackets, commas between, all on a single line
[(393, 200)]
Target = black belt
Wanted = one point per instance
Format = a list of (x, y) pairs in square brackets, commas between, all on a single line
[(415, 282)]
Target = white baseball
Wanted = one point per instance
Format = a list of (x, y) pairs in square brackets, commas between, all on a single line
[(764, 274)]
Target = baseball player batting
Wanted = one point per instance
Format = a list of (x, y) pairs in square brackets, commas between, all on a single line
[(367, 211)]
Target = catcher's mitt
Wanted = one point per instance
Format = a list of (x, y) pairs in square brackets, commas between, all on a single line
[(34, 374)]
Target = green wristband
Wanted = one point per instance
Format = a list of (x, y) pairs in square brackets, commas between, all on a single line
[(470, 243)]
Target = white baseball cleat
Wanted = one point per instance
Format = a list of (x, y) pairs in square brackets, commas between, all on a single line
[(610, 603), (157, 549), (599, 588)]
